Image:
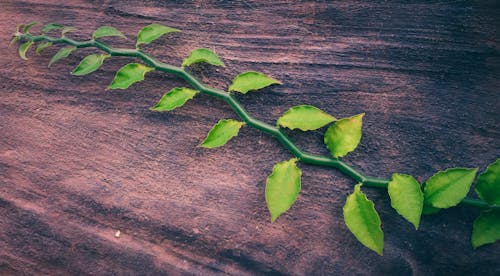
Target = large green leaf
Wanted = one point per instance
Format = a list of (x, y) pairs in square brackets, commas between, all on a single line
[(107, 31), (447, 188), (174, 98), (488, 184), (28, 26), (62, 53), (51, 26), (202, 55), (363, 221), (128, 75), (305, 117), (282, 187), (89, 64), (344, 136), (23, 48), (151, 32), (251, 80), (42, 47), (221, 133), (486, 228), (406, 197)]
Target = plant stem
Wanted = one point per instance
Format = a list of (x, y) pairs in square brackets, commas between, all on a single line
[(238, 109)]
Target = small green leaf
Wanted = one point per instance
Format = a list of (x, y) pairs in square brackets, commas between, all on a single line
[(106, 31), (42, 47), (174, 98), (67, 30), (488, 184), (14, 40), (202, 55), (344, 136), (363, 221), (18, 27), (62, 53), (51, 26), (250, 80), (406, 197), (89, 64), (447, 188), (282, 187), (23, 48), (28, 26), (151, 32), (128, 75), (305, 117), (486, 228), (221, 133)]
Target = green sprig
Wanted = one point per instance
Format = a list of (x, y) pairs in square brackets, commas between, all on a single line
[(445, 189)]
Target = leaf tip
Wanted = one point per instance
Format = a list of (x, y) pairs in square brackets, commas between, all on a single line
[(416, 225)]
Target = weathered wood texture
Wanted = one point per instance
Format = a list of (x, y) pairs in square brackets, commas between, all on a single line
[(78, 163)]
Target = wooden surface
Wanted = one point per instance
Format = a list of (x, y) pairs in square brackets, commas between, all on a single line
[(78, 163)]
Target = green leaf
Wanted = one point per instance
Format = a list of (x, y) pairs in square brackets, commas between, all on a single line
[(89, 64), (406, 197), (221, 133), (62, 53), (18, 27), (151, 32), (67, 30), (28, 26), (202, 55), (344, 136), (447, 188), (174, 98), (486, 228), (488, 184), (363, 221), (128, 75), (106, 31), (42, 47), (250, 80), (51, 26), (14, 40), (282, 187), (305, 117), (24, 48)]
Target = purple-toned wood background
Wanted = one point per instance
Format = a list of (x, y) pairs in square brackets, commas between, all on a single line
[(78, 163)]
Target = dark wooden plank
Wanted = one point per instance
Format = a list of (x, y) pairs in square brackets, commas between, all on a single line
[(78, 163)]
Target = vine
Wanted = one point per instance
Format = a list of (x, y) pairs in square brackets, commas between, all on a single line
[(408, 197)]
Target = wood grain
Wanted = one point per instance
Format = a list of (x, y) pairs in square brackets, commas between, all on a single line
[(78, 163)]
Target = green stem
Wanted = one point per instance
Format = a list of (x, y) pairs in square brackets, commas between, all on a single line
[(239, 109)]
